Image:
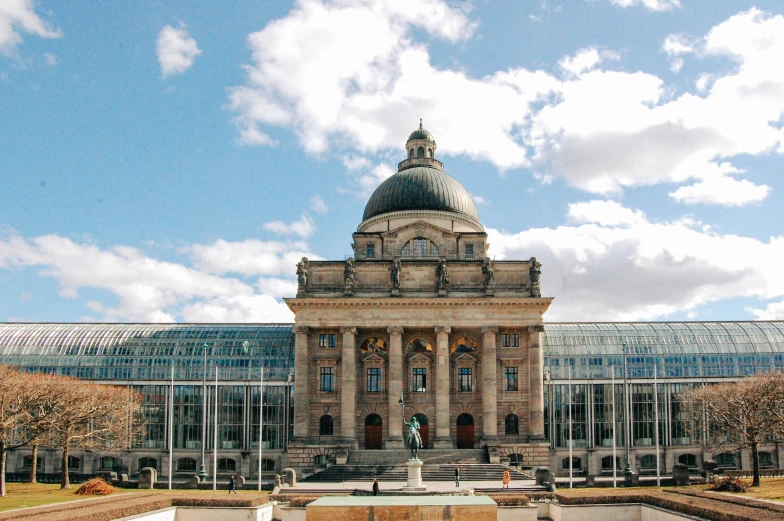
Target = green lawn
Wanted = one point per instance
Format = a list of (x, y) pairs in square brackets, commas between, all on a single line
[(21, 495)]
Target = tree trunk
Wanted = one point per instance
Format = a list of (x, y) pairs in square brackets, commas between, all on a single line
[(3, 454), (65, 480), (34, 465), (755, 482)]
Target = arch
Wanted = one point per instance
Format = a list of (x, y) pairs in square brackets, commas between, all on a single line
[(186, 465), (373, 431), (424, 430), (430, 153), (648, 462), (577, 463), (465, 431), (227, 465), (607, 463), (74, 462), (325, 425), (419, 247), (421, 152), (404, 237), (511, 424), (515, 459), (690, 460), (148, 462), (373, 344), (464, 345), (419, 345), (109, 463), (410, 152)]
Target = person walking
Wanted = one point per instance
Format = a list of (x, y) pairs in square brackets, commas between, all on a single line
[(375, 487), (457, 476), (507, 478), (232, 485)]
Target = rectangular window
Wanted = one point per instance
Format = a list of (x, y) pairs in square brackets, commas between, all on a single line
[(510, 378), (515, 340), (374, 380), (420, 380), (469, 251), (464, 379), (507, 340), (371, 251), (327, 379), (328, 340)]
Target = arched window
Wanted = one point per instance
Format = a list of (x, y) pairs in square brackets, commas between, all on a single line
[(373, 345), (430, 153), (511, 424), (464, 345), (186, 465), (74, 462), (725, 460), (419, 345), (227, 465), (577, 463), (420, 152), (148, 462), (108, 463), (648, 462), (419, 247), (607, 463), (515, 458), (27, 462), (411, 152), (325, 425), (690, 460)]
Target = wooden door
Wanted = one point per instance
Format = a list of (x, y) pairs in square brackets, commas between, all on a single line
[(423, 435), (373, 437), (465, 431)]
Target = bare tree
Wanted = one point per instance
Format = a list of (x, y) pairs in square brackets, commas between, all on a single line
[(94, 417), (25, 411), (740, 414)]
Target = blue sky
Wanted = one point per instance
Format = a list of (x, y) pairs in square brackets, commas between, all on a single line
[(170, 161)]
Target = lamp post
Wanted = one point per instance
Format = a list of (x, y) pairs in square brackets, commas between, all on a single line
[(202, 468), (402, 414)]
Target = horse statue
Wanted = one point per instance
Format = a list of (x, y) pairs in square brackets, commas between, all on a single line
[(414, 440)]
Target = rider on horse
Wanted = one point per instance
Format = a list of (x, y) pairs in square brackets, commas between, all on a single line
[(414, 439)]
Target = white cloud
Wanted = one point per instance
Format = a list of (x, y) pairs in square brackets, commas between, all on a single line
[(722, 190), (318, 205), (653, 5), (478, 199), (16, 17), (51, 59), (600, 130), (630, 268), (773, 311), (304, 227), (176, 50), (146, 289)]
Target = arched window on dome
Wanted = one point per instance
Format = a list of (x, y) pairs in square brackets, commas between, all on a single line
[(430, 153), (421, 152), (419, 247), (411, 152)]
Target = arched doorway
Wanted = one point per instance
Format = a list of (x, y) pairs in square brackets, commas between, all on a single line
[(465, 431), (373, 432), (422, 419)]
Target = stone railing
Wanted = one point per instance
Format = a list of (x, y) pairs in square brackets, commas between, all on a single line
[(747, 473)]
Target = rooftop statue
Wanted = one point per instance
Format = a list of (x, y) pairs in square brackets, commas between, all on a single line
[(302, 272)]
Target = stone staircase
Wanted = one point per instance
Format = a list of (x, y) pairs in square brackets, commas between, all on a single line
[(428, 457), (399, 472)]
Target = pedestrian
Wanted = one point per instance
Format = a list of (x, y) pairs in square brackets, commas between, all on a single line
[(375, 487), (232, 485), (507, 478), (457, 476)]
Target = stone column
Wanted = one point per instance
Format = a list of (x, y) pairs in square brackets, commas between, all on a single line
[(348, 388), (395, 388), (489, 386), (442, 439), (301, 395), (536, 383)]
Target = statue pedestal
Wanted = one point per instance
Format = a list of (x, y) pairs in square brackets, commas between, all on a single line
[(414, 483)]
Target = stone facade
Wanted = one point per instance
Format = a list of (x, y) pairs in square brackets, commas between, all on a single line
[(419, 313)]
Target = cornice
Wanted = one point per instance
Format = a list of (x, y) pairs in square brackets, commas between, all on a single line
[(419, 303)]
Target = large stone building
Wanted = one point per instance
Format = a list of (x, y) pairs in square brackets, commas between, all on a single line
[(419, 314)]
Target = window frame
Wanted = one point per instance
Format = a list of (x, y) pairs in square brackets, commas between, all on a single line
[(419, 376), (465, 379), (327, 379), (511, 375), (373, 379)]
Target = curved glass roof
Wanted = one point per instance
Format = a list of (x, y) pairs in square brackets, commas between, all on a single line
[(688, 349)]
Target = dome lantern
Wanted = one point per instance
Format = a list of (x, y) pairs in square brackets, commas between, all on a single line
[(420, 147)]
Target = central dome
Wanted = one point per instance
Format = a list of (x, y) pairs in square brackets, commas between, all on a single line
[(421, 188)]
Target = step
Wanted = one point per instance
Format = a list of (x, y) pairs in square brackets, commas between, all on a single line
[(432, 456), (469, 472)]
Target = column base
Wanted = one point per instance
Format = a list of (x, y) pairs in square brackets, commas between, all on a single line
[(537, 438), (395, 442), (350, 443), (443, 443), (489, 441)]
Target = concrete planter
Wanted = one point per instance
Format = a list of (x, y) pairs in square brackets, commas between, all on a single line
[(528, 513)]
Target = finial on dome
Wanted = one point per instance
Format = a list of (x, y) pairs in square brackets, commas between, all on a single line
[(420, 123)]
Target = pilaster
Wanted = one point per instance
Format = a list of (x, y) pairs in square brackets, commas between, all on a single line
[(442, 439), (489, 386), (301, 395), (348, 388), (395, 388), (536, 383)]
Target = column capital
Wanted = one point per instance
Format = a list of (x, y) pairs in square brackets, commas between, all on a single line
[(301, 330), (395, 330), (443, 329), (536, 329), (489, 329), (346, 329)]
